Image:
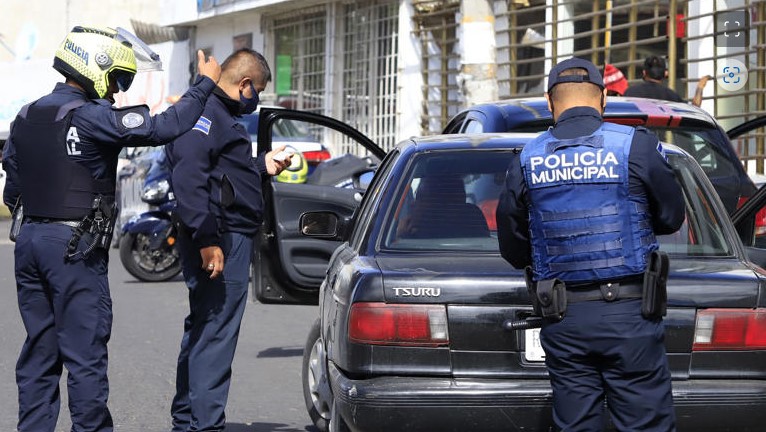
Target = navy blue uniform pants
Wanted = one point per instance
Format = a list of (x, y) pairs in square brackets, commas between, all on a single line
[(67, 313), (608, 351), (210, 335)]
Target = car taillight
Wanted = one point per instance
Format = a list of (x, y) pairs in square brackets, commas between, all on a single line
[(398, 324), (315, 157), (760, 217), (730, 329)]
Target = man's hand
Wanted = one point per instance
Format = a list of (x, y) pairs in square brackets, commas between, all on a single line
[(209, 68), (212, 260), (275, 166)]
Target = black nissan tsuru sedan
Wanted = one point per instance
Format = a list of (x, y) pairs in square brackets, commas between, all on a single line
[(410, 333)]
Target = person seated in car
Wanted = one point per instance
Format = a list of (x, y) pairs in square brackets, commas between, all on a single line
[(440, 210)]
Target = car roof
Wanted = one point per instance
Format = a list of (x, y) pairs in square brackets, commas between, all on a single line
[(532, 113), (461, 141), (482, 141)]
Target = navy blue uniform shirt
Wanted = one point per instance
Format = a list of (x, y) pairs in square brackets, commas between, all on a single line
[(103, 130), (216, 181), (648, 175)]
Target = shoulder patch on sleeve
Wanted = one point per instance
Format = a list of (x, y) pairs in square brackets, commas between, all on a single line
[(132, 120), (132, 117), (661, 150), (203, 125)]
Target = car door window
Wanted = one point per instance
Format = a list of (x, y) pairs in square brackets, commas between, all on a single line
[(702, 233), (701, 146), (334, 154), (369, 202)]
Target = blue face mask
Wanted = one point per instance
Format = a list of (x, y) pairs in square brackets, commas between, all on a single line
[(249, 104)]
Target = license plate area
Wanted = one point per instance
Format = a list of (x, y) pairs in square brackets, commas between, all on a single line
[(533, 349)]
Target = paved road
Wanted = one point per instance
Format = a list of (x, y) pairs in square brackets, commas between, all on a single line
[(266, 390)]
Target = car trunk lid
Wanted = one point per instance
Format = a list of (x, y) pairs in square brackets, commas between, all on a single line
[(480, 344)]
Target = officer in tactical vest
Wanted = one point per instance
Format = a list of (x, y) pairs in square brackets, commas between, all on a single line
[(61, 160), (580, 211)]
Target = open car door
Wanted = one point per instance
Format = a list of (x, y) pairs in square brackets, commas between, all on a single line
[(750, 218), (750, 222), (288, 267), (746, 127)]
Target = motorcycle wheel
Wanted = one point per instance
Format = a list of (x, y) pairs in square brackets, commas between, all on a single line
[(145, 264)]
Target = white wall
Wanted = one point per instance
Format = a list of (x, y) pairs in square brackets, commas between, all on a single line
[(218, 33), (34, 28), (31, 31)]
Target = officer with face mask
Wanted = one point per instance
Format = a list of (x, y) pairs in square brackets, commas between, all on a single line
[(61, 159), (583, 205), (218, 190)]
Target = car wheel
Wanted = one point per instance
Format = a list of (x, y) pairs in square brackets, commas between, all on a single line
[(316, 387)]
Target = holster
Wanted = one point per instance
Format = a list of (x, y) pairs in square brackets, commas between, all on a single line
[(105, 226), (549, 297), (17, 219), (654, 301), (98, 224)]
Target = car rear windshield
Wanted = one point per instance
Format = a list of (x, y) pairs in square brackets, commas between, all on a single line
[(447, 199)]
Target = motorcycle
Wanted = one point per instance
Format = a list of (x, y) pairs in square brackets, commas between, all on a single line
[(147, 240)]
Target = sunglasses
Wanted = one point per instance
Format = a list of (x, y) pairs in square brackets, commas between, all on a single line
[(122, 79)]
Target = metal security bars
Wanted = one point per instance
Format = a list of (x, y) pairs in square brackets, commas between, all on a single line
[(300, 43), (706, 55), (436, 26), (340, 59), (370, 59), (533, 34)]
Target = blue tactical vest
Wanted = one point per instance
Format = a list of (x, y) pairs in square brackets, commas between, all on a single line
[(52, 185), (585, 227)]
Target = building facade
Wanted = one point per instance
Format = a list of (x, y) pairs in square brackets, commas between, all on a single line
[(398, 68)]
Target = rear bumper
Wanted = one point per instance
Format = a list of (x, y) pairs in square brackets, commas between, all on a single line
[(474, 404)]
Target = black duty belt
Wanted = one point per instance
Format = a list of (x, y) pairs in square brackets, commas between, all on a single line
[(70, 223), (607, 291)]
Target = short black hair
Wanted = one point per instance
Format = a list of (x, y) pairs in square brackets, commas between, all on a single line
[(655, 67), (254, 56)]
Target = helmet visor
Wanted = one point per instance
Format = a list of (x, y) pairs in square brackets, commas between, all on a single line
[(122, 79), (146, 58)]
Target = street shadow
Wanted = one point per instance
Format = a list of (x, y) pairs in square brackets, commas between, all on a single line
[(131, 280), (279, 352), (267, 427)]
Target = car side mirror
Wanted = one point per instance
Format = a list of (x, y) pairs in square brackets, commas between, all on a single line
[(323, 224)]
